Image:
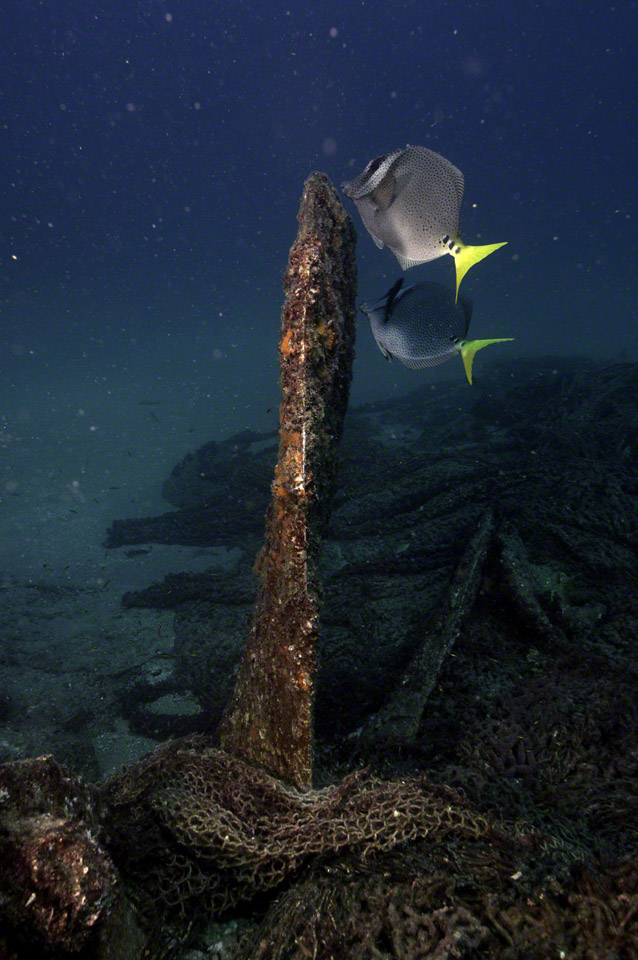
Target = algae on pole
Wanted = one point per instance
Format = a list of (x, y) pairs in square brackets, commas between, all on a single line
[(269, 718)]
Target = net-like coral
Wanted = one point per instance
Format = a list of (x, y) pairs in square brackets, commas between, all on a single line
[(194, 827), (365, 869), (451, 901)]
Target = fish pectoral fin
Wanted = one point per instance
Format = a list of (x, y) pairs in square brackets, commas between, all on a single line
[(383, 196), (386, 353), (469, 347), (466, 257)]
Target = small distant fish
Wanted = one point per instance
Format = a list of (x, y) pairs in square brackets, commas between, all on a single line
[(422, 325), (410, 201)]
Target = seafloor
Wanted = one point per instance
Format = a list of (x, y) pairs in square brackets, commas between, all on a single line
[(479, 625)]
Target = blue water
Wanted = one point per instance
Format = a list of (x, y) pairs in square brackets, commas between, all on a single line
[(154, 154)]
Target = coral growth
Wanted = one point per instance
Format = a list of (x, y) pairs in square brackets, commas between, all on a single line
[(200, 829), (57, 881), (269, 718), (368, 868), (448, 902)]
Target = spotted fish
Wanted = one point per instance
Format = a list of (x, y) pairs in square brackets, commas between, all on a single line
[(422, 325), (410, 201)]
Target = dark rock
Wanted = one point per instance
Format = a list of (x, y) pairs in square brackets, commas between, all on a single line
[(549, 446)]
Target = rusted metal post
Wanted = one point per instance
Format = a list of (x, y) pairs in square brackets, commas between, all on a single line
[(269, 718)]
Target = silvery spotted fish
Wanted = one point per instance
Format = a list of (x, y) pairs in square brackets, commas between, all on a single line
[(422, 326), (410, 201)]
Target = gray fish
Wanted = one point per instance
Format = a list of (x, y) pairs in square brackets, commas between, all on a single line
[(422, 326), (410, 201)]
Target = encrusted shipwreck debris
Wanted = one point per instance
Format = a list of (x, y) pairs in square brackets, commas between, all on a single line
[(58, 886), (269, 719), (396, 725)]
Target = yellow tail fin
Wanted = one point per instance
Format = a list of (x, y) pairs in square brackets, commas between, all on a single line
[(468, 256), (469, 348)]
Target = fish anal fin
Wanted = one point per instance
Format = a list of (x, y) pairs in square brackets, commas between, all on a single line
[(405, 263), (467, 256), (420, 363), (470, 347)]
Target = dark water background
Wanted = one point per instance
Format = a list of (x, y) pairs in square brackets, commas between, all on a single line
[(152, 159), (154, 153)]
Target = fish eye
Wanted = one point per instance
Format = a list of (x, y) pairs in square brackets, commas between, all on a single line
[(374, 165)]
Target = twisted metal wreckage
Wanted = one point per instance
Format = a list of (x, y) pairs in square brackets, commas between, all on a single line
[(366, 867)]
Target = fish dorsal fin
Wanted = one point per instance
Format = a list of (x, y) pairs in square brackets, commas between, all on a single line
[(383, 195), (459, 182), (457, 176), (392, 296), (468, 349)]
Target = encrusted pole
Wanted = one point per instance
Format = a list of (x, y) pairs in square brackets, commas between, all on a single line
[(269, 718)]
